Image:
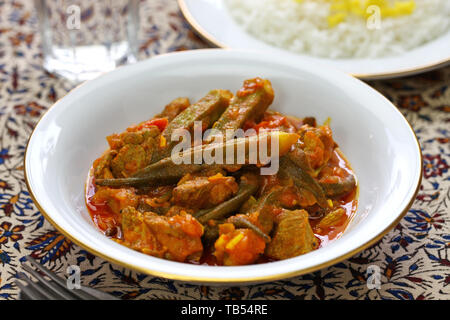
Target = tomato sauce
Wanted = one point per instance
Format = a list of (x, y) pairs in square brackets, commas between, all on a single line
[(106, 220), (349, 202), (276, 121), (102, 216)]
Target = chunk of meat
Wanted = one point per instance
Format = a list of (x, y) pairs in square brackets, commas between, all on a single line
[(236, 247), (137, 235), (204, 192), (174, 108), (115, 199), (133, 135), (128, 160), (132, 149), (179, 235), (177, 210), (292, 237), (317, 143)]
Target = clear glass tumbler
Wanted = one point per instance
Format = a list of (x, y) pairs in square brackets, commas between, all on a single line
[(84, 38)]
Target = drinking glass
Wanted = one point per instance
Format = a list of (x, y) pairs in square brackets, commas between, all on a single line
[(83, 38)]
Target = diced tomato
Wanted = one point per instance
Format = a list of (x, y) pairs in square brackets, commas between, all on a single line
[(188, 224), (271, 122), (238, 247), (289, 198), (250, 86), (161, 123)]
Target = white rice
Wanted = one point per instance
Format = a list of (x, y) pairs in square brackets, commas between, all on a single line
[(303, 28)]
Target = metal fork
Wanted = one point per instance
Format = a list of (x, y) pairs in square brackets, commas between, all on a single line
[(53, 289)]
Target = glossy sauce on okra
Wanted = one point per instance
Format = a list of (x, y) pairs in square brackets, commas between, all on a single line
[(223, 213)]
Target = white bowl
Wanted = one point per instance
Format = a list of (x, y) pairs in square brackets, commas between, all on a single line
[(375, 137)]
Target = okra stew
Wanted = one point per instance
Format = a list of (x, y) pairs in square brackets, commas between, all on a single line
[(223, 213)]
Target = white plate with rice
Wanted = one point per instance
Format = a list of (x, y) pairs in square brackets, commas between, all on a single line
[(405, 43)]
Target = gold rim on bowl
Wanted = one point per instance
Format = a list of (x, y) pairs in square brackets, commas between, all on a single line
[(366, 76)]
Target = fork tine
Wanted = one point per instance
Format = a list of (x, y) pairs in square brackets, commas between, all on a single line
[(36, 287), (49, 285), (79, 294), (98, 294), (29, 291), (23, 295), (47, 272)]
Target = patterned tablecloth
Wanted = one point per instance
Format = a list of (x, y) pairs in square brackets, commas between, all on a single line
[(414, 258)]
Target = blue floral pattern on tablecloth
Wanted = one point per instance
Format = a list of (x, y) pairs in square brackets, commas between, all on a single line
[(414, 258)]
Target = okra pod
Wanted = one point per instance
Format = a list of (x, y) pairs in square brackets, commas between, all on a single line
[(303, 180), (339, 188), (174, 108), (249, 103), (247, 188), (168, 170), (241, 222), (206, 110), (298, 156), (264, 206)]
